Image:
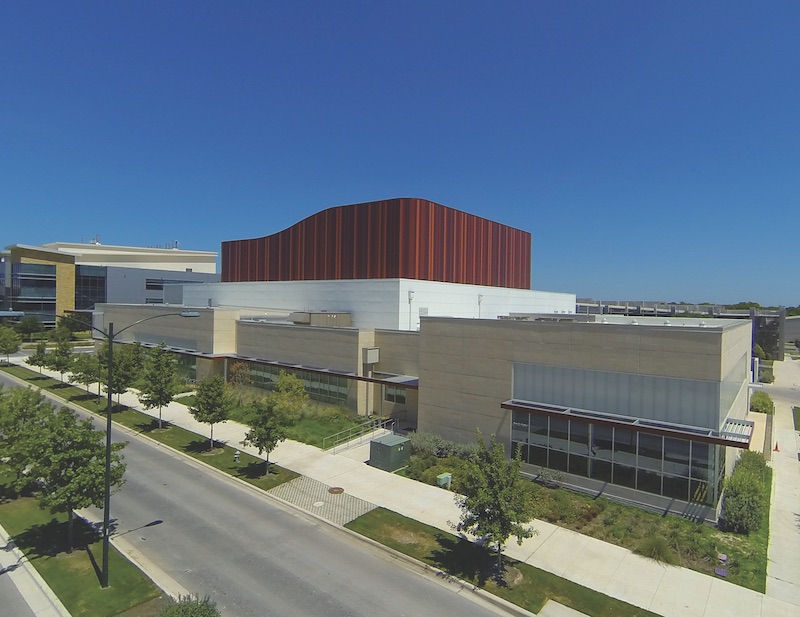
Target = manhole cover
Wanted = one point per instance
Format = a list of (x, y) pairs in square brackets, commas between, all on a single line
[(319, 504), (336, 490)]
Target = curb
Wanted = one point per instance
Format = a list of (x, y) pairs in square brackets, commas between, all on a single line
[(39, 585)]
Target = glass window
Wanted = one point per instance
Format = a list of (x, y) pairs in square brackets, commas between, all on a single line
[(538, 429), (519, 427), (578, 465), (676, 457), (624, 475), (650, 451), (702, 463), (537, 456), (677, 488), (559, 434), (523, 450), (600, 470), (558, 460), (624, 447), (578, 438), (602, 440), (648, 481)]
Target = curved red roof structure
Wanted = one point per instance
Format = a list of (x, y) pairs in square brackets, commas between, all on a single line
[(394, 238)]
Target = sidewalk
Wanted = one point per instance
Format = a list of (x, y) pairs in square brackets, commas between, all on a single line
[(783, 568), (612, 570)]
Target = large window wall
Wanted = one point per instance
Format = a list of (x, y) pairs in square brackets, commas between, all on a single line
[(33, 289), (682, 469), (90, 286), (320, 386)]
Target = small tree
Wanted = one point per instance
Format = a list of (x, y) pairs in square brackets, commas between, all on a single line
[(745, 495), (60, 359), (289, 396), (268, 429), (762, 403), (29, 326), (240, 373), (38, 357), (10, 342), (158, 383), (71, 466), (213, 403), (495, 504), (124, 369), (85, 369)]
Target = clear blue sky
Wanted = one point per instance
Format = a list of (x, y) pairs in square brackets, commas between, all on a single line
[(651, 148)]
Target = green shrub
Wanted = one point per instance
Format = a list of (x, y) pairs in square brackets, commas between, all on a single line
[(191, 606), (762, 403), (428, 444), (657, 547), (744, 500), (758, 352), (765, 375)]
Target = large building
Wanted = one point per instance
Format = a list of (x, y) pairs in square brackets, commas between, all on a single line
[(60, 277), (646, 409)]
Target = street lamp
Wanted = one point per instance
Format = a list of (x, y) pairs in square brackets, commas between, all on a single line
[(109, 336)]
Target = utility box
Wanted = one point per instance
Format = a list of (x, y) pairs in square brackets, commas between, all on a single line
[(389, 452)]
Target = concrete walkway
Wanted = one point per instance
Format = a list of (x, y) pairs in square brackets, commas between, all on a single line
[(783, 568), (612, 570)]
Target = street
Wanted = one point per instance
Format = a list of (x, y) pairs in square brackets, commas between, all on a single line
[(256, 557)]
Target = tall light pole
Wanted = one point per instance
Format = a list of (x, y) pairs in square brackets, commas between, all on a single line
[(109, 336)]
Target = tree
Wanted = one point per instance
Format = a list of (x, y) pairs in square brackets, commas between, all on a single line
[(744, 500), (38, 357), (495, 504), (76, 322), (268, 428), (60, 359), (24, 415), (10, 342), (71, 466), (240, 373), (124, 372), (289, 396), (60, 333), (158, 383), (85, 369), (190, 606), (29, 326), (212, 404)]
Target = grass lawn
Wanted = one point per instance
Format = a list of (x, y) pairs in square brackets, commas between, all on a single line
[(796, 413), (527, 586), (74, 577)]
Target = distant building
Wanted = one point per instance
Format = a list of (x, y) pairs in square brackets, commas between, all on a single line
[(405, 322), (60, 277)]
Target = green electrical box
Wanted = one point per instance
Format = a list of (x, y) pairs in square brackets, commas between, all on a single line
[(389, 452)]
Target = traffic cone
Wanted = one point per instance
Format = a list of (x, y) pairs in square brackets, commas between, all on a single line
[(777, 449)]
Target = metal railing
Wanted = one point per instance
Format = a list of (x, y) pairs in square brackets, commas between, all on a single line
[(357, 433)]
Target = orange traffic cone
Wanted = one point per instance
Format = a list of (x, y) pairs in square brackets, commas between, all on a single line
[(777, 449)]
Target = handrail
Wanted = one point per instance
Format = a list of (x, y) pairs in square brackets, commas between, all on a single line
[(354, 432)]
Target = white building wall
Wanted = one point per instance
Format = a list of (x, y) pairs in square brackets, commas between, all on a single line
[(389, 304)]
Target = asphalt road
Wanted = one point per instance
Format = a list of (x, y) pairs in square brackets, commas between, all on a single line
[(259, 558)]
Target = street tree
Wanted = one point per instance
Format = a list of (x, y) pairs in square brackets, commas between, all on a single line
[(267, 428), (85, 369), (124, 369), (10, 342), (495, 504), (159, 379), (212, 404), (39, 356), (29, 326), (71, 466), (60, 359), (24, 416)]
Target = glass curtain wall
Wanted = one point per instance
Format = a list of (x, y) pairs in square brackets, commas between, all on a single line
[(33, 290), (320, 386), (677, 468)]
